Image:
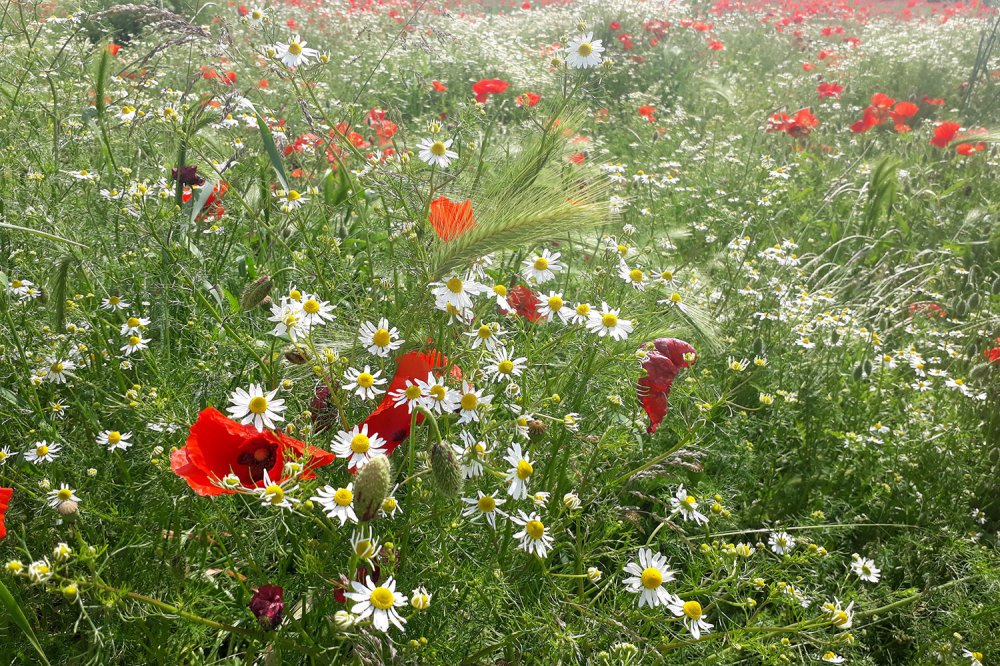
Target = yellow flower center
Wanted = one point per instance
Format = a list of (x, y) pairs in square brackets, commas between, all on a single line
[(623, 250), (381, 338), (500, 290), (454, 285), (635, 275), (438, 392), (389, 504), (366, 380), (256, 15), (541, 263), (364, 548), (56, 367), (412, 392), (42, 451), (295, 48), (114, 437), (978, 656), (555, 303), (524, 469), (64, 494), (275, 493), (16, 284), (311, 306), (840, 618), (651, 578), (676, 298), (134, 340), (583, 309), (469, 401), (486, 504), (438, 148), (692, 609), (667, 276), (585, 49), (485, 332), (609, 320), (689, 500), (295, 295), (382, 598), (343, 497), (257, 405), (132, 322), (535, 529), (360, 443), (114, 300), (505, 366)]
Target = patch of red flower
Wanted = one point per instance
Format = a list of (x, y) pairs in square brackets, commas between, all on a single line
[(113, 48), (438, 86), (487, 87), (967, 149), (829, 90), (524, 302), (716, 45), (527, 99), (5, 495), (934, 101), (930, 310), (945, 133), (901, 114), (218, 446), (663, 362), (882, 109), (992, 355), (798, 126), (449, 219), (647, 113)]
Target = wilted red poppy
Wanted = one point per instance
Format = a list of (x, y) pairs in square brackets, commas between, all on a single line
[(5, 495), (944, 133), (662, 364), (218, 446), (268, 606), (449, 219), (487, 87), (524, 302)]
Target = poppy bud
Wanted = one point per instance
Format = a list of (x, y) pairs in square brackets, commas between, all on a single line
[(867, 366), (980, 371), (974, 301), (758, 347), (995, 288), (446, 470), (536, 430), (268, 606), (961, 307), (859, 372), (994, 455), (255, 292), (371, 485)]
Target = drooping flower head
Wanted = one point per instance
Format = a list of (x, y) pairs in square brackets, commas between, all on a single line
[(268, 606), (218, 447), (663, 362)]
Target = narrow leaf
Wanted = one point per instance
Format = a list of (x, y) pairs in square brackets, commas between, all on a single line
[(272, 151), (10, 605)]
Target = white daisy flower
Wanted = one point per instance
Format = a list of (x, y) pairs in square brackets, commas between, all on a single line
[(114, 303), (607, 322), (649, 573), (471, 452), (487, 335), (134, 325), (520, 471), (59, 370), (438, 397), (456, 292), (43, 452), (274, 494), (632, 276), (542, 268), (316, 312), (4, 454), (256, 407), (436, 153), (781, 543), (337, 502), (533, 537), (420, 598), (294, 53), (61, 495), (20, 288), (289, 319), (134, 343), (358, 446), (411, 395), (832, 657), (470, 402), (364, 383), (39, 571), (483, 506), (694, 617), (114, 440), (584, 51), (553, 306), (379, 340), (581, 313), (687, 506), (379, 602), (842, 618), (502, 367), (365, 545), (865, 569)]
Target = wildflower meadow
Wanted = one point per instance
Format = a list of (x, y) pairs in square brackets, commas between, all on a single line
[(499, 332)]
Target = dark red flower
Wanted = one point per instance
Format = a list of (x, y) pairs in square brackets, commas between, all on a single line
[(217, 446), (5, 495), (187, 175), (487, 87), (449, 219), (935, 101), (662, 364), (944, 133), (524, 302), (268, 606)]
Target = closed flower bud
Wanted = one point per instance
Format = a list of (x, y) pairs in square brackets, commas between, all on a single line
[(371, 486), (70, 592), (446, 470), (255, 292)]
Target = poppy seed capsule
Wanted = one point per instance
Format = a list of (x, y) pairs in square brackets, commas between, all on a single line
[(255, 292), (536, 429), (446, 470), (371, 485)]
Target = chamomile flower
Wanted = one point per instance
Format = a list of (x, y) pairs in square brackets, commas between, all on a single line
[(832, 657), (975, 658), (487, 335), (365, 545), (378, 602), (274, 494), (500, 292), (687, 506), (256, 17), (61, 495), (380, 340), (20, 288), (59, 370), (781, 543), (114, 303), (483, 506), (632, 276), (337, 502), (114, 440), (257, 407), (364, 383), (581, 313), (584, 51), (520, 471), (503, 367), (865, 569), (533, 538), (358, 446), (390, 507), (842, 618), (470, 401), (553, 306), (411, 395), (4, 454), (694, 617), (471, 452), (649, 573), (134, 343), (542, 268), (438, 398), (43, 452), (607, 322), (295, 52), (420, 598), (134, 325), (39, 571), (436, 152), (316, 312), (456, 292), (289, 319)]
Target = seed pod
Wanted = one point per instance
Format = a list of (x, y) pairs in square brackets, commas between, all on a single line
[(961, 308), (446, 470), (835, 337), (255, 292), (980, 371), (758, 347), (867, 365), (536, 430), (994, 455), (371, 485), (974, 301), (996, 286)]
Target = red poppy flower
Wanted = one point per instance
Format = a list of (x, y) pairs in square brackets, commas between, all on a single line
[(217, 446), (798, 126), (662, 364), (615, 25), (992, 355), (528, 99), (967, 149), (935, 101), (829, 90), (524, 302), (5, 495), (440, 87), (647, 113), (449, 219), (716, 45), (944, 133), (808, 67), (113, 48), (487, 87), (869, 121)]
